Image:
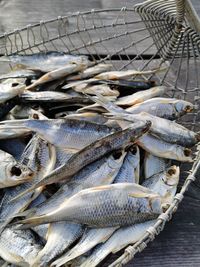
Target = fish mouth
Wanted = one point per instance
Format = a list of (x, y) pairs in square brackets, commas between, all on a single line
[(188, 109), (188, 152)]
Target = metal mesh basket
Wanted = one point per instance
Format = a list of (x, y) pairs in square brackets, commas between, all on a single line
[(162, 33)]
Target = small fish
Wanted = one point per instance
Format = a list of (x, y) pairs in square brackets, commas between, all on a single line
[(140, 96), (163, 149), (44, 62), (154, 165), (102, 89), (63, 133), (164, 183), (167, 108), (57, 74), (90, 72), (89, 240), (115, 75), (105, 206), (10, 88), (12, 173), (19, 247), (94, 151), (119, 240)]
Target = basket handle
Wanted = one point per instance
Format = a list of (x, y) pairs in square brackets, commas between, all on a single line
[(192, 16), (180, 9)]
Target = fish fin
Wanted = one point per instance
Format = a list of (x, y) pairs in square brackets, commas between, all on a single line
[(30, 222), (29, 190), (142, 195), (108, 105)]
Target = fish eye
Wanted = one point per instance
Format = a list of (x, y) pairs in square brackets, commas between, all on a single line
[(15, 84), (15, 171), (171, 171), (187, 152), (35, 116), (188, 108)]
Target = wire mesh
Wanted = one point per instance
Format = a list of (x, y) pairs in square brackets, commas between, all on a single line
[(158, 35)]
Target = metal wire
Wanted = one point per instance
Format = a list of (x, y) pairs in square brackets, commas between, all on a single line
[(164, 33)]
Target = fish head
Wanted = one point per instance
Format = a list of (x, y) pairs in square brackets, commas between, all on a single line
[(183, 107), (155, 204), (17, 173), (172, 176)]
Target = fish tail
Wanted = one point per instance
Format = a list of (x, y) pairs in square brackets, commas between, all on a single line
[(32, 221), (90, 262)]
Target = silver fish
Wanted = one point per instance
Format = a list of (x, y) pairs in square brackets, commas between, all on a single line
[(36, 149), (44, 62), (119, 204), (63, 133), (58, 73), (89, 240), (12, 173), (140, 96), (115, 75), (94, 151), (89, 72), (20, 73), (167, 108), (102, 89), (154, 165), (11, 88), (163, 149), (119, 240), (19, 247), (60, 236)]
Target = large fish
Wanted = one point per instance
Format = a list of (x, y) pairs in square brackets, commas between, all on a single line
[(105, 206), (94, 151), (63, 133)]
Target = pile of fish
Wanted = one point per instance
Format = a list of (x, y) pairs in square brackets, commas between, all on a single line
[(89, 158)]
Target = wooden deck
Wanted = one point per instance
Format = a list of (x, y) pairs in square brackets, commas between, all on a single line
[(179, 243)]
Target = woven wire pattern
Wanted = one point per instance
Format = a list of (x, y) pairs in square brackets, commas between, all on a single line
[(148, 40)]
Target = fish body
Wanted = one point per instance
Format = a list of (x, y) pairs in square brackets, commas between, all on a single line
[(102, 89), (141, 96), (63, 133), (59, 237), (89, 240), (44, 62), (119, 204), (20, 73), (167, 108), (19, 247), (91, 71)]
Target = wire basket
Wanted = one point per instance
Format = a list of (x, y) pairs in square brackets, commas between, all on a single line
[(154, 34)]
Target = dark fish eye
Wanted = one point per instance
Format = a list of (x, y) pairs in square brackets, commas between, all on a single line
[(15, 84), (35, 116), (171, 171), (15, 171)]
